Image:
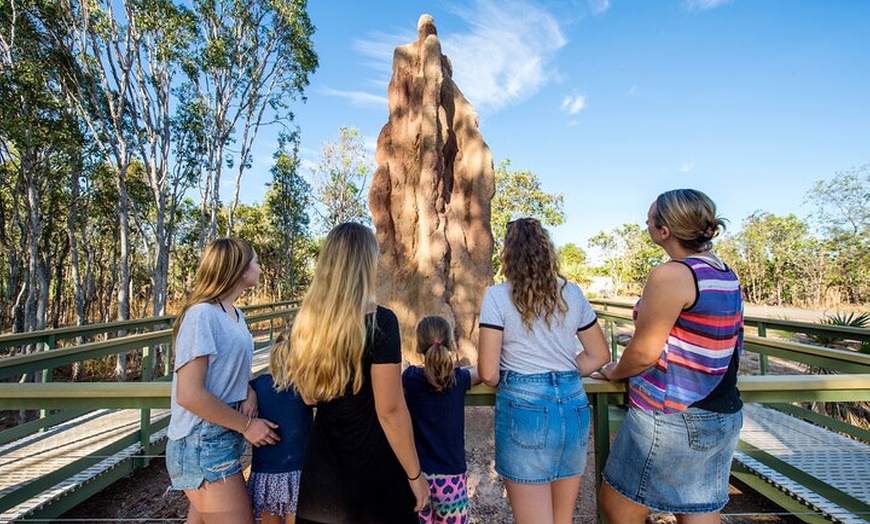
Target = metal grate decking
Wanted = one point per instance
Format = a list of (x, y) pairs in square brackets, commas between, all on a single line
[(833, 459), (30, 458)]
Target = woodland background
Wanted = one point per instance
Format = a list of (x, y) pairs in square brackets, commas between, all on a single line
[(121, 120)]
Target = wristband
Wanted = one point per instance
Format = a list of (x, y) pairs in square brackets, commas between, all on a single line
[(247, 424), (416, 476)]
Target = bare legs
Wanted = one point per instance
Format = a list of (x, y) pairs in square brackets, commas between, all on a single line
[(620, 510), (223, 502), (543, 503), (268, 518)]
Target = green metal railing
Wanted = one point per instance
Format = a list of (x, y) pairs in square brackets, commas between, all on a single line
[(607, 399), (50, 337), (77, 398), (761, 325)]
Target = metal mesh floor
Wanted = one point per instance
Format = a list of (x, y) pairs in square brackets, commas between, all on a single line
[(831, 458), (26, 460)]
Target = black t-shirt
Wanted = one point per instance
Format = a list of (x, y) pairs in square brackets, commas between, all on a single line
[(725, 397), (439, 421), (350, 473)]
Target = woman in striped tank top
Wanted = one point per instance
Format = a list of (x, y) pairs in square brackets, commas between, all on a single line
[(673, 452)]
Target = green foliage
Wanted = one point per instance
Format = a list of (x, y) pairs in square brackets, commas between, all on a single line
[(341, 180), (572, 263), (842, 214), (850, 319), (518, 194), (287, 202), (629, 256)]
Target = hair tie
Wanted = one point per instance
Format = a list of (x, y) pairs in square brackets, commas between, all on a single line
[(436, 342)]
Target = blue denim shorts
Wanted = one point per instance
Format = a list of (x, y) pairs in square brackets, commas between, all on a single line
[(675, 462), (208, 454), (541, 426)]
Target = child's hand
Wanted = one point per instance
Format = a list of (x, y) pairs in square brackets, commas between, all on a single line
[(420, 487), (260, 433)]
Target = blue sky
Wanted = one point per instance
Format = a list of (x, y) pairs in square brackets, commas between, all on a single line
[(612, 102)]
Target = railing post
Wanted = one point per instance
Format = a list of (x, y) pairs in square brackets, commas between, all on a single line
[(147, 364), (145, 436), (48, 373), (614, 341), (762, 358), (601, 428)]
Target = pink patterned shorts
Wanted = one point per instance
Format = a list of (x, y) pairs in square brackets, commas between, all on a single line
[(448, 500)]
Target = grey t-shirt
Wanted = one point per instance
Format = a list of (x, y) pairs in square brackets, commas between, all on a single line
[(542, 348), (207, 331)]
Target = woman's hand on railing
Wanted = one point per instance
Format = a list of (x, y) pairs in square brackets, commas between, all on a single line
[(602, 373)]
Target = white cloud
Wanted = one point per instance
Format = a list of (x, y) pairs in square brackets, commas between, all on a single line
[(505, 56), (598, 6), (687, 166), (704, 5), (357, 98), (573, 104)]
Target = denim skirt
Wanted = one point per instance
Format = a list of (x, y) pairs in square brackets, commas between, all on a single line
[(207, 454), (541, 426), (674, 462)]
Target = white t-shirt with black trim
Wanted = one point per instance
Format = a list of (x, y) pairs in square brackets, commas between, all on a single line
[(542, 348)]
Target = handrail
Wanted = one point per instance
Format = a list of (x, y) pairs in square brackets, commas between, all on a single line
[(832, 358), (139, 395), (792, 326), (20, 364), (86, 330)]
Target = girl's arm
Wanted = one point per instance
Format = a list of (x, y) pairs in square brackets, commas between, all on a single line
[(475, 376), (396, 421), (670, 288), (595, 352), (192, 395), (488, 355)]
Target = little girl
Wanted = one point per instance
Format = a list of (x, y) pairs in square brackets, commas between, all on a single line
[(276, 469), (435, 394)]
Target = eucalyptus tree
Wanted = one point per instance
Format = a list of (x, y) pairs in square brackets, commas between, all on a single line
[(254, 59), (842, 215), (40, 143), (629, 255), (341, 180), (288, 200), (518, 194)]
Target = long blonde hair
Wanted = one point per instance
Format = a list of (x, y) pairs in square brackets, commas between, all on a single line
[(329, 334), (435, 343), (221, 268), (531, 266)]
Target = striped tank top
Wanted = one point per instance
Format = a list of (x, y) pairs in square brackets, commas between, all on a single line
[(700, 346)]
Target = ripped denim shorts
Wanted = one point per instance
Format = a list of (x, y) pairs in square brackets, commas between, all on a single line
[(208, 454)]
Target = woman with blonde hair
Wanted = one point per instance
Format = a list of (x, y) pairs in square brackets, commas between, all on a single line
[(529, 331), (213, 410), (360, 464), (673, 451)]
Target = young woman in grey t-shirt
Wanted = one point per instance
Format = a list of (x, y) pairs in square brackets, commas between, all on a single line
[(529, 331), (213, 408)]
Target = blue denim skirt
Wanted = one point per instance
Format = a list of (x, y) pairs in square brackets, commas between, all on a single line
[(208, 454), (541, 426), (675, 462)]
